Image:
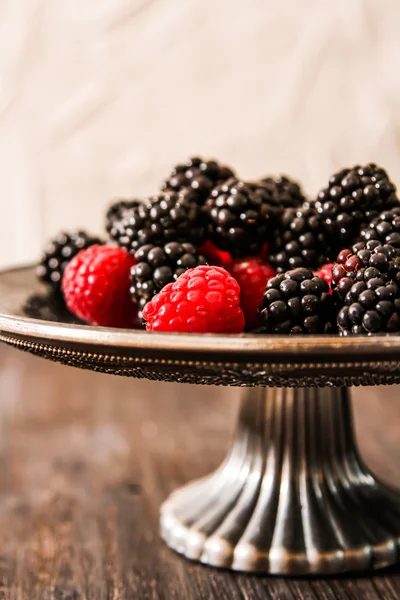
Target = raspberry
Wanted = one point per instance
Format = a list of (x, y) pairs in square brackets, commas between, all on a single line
[(202, 300), (213, 255), (96, 287), (252, 275), (325, 272)]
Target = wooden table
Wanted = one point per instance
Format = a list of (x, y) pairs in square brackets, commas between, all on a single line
[(86, 459)]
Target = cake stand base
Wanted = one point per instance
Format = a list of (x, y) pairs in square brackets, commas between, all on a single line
[(292, 497)]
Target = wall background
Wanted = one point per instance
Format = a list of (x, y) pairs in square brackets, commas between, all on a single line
[(98, 98)]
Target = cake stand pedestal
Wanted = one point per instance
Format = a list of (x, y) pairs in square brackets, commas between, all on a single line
[(293, 495)]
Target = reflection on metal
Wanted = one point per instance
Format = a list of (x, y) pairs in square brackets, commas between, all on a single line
[(292, 497)]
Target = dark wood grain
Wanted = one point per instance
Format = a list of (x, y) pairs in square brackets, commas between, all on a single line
[(85, 461)]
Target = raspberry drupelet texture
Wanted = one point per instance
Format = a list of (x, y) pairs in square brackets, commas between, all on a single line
[(196, 178), (296, 302), (202, 300), (287, 192), (300, 240), (59, 252), (352, 199), (158, 220), (364, 261), (96, 287), (252, 275), (241, 216), (385, 228), (159, 265)]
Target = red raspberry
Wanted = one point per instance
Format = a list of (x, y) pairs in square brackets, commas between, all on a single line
[(325, 272), (202, 300), (96, 287), (213, 255), (252, 275)]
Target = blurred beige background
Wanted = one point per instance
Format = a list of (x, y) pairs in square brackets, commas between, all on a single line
[(98, 98)]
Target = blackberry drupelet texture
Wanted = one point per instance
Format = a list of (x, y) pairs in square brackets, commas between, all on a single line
[(196, 178), (366, 260), (241, 216), (164, 218), (366, 283), (117, 209), (300, 240), (385, 228), (372, 305), (352, 199), (59, 252), (159, 265), (296, 302), (287, 192)]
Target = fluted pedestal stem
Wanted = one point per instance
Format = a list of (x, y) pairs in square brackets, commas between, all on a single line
[(292, 496)]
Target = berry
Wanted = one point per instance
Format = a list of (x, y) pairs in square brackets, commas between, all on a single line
[(288, 193), (117, 209), (214, 256), (366, 260), (96, 287), (325, 272), (385, 228), (370, 306), (296, 302), (58, 254), (300, 240), (252, 275), (241, 217), (196, 178), (202, 300), (352, 199), (158, 265), (159, 220), (49, 306)]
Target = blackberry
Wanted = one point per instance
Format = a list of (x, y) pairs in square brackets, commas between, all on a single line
[(385, 228), (352, 199), (300, 240), (242, 217), (49, 306), (372, 305), (159, 265), (296, 302), (287, 192), (158, 220), (58, 253), (196, 178), (117, 209), (365, 261)]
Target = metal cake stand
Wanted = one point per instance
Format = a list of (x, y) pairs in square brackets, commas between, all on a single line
[(293, 495)]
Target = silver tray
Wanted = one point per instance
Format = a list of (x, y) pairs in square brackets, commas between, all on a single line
[(293, 496)]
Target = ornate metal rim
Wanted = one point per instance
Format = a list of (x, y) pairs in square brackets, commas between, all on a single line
[(132, 360)]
